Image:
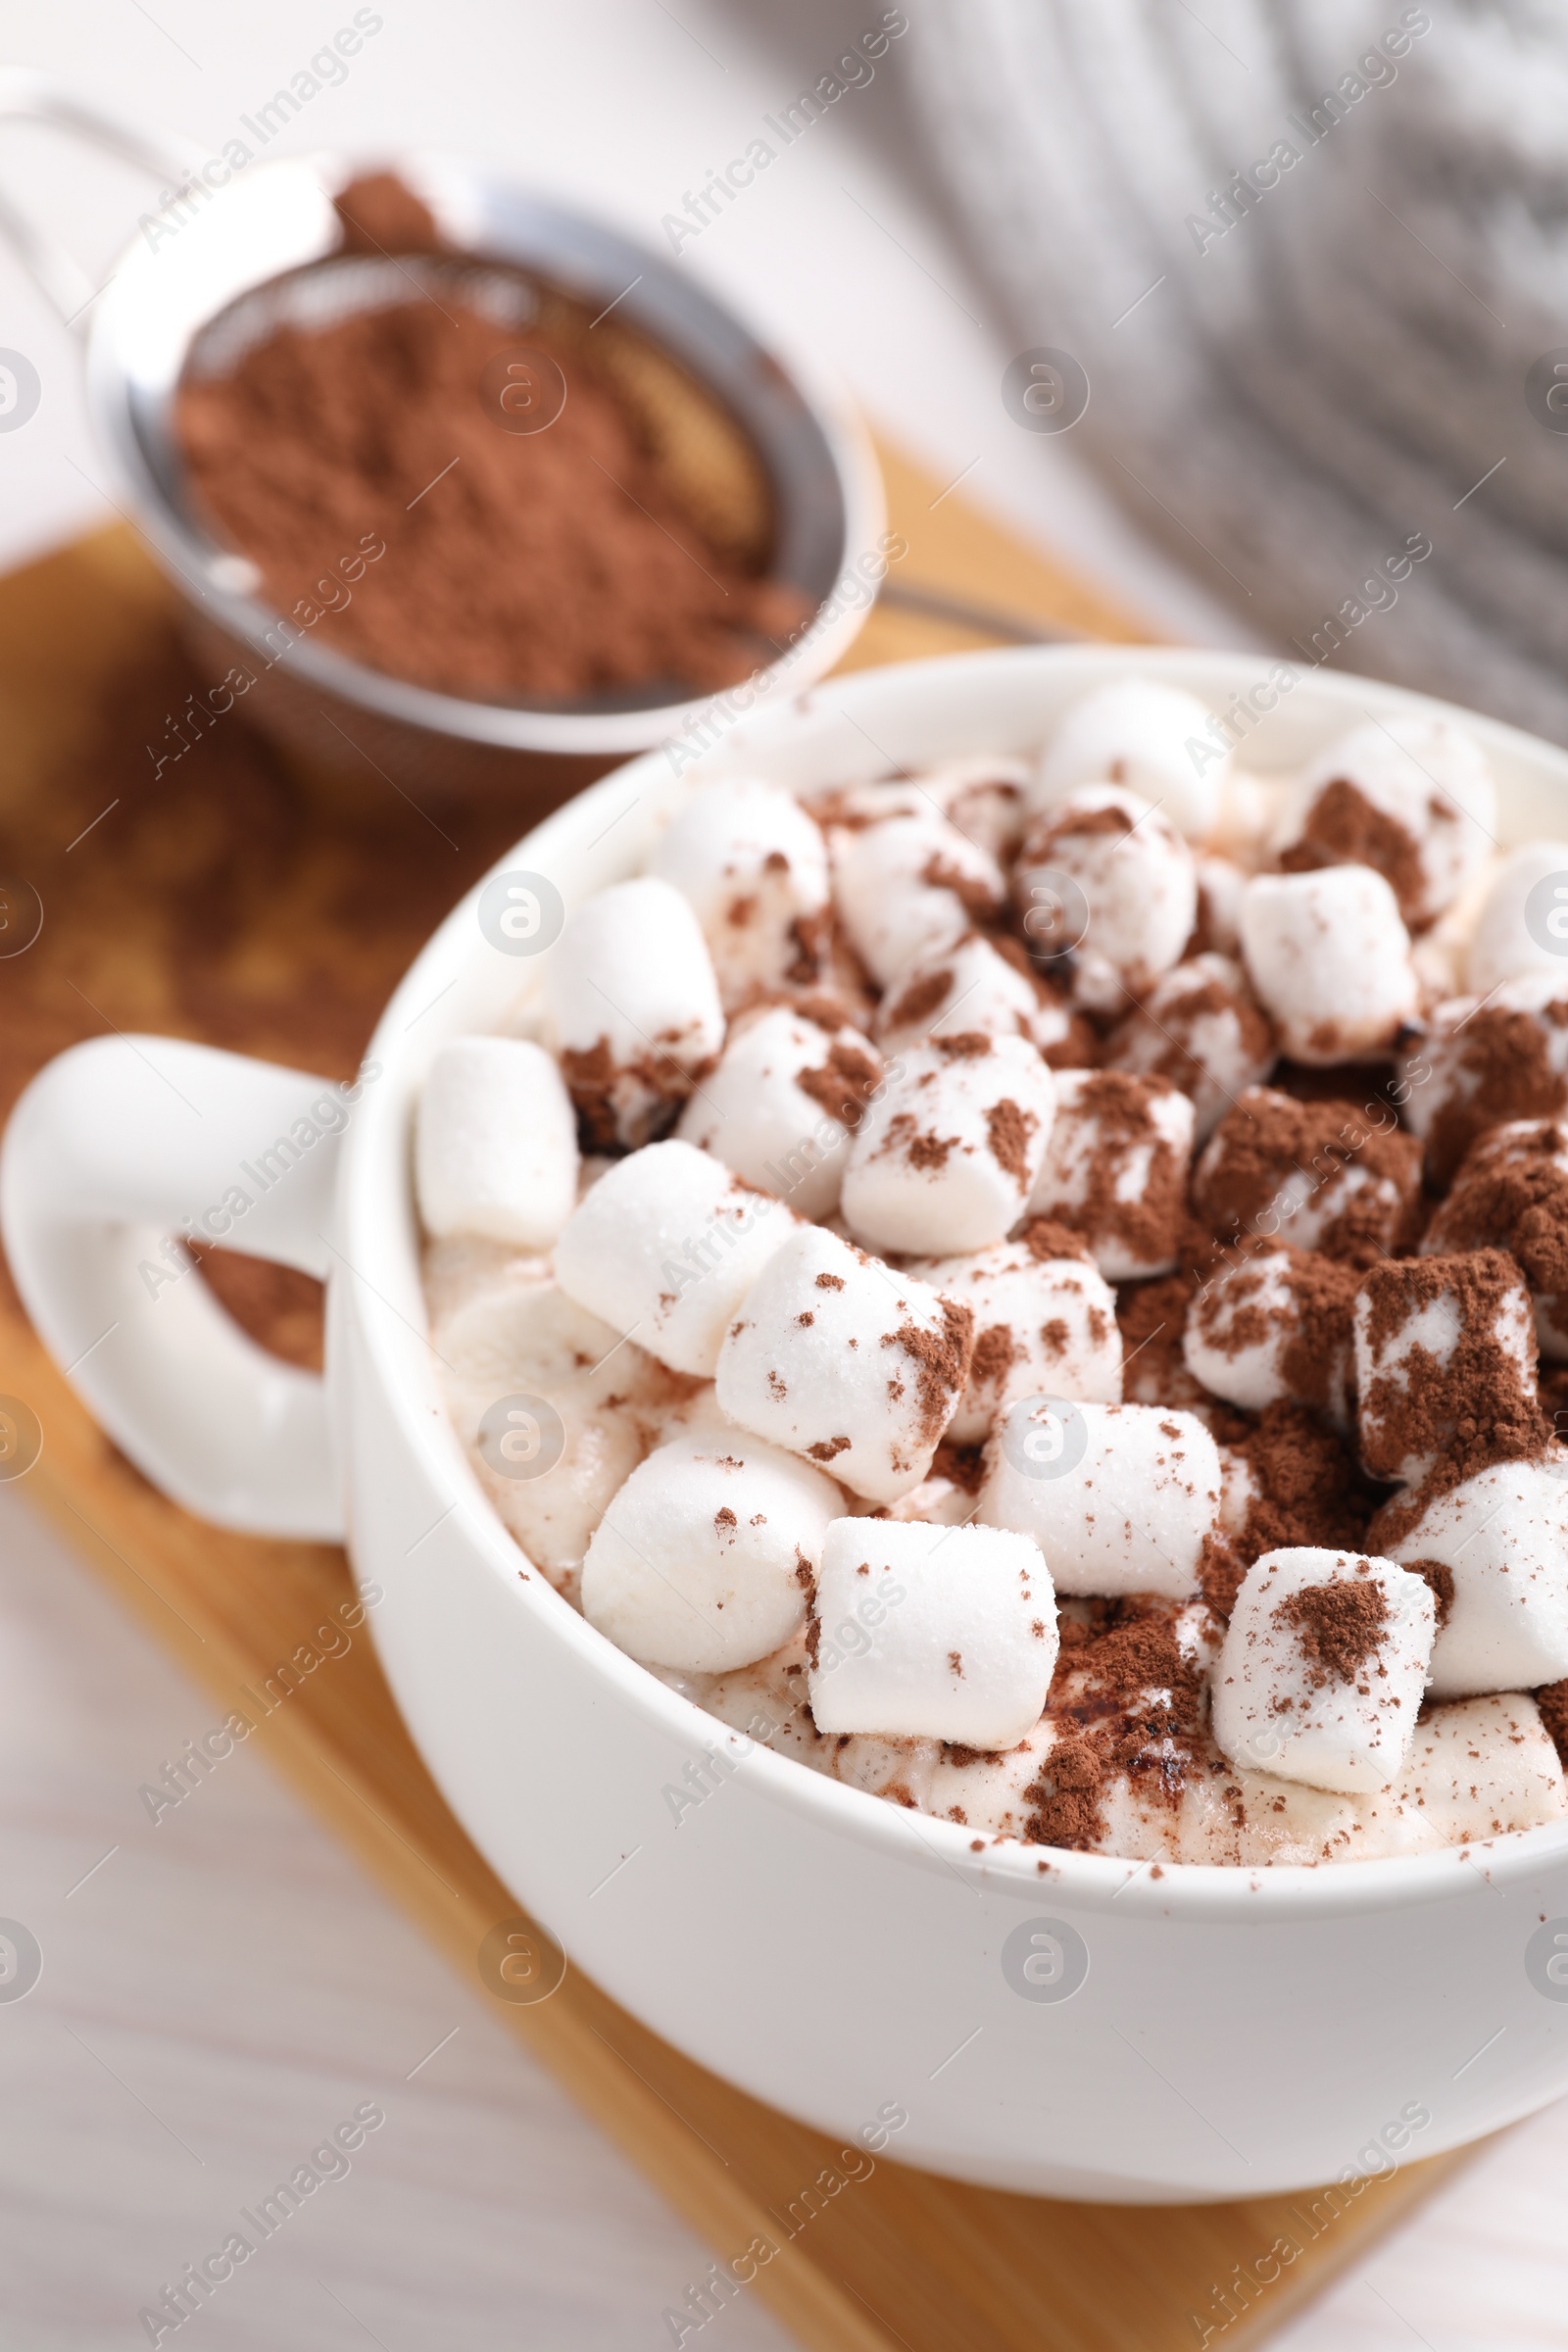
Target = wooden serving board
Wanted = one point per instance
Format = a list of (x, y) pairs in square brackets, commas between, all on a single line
[(271, 908)]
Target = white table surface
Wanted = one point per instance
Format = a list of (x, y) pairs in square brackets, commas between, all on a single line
[(222, 1990)]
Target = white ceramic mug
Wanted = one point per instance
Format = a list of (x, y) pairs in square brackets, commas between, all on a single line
[(1061, 2023)]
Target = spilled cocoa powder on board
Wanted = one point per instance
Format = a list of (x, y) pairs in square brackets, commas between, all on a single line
[(548, 564)]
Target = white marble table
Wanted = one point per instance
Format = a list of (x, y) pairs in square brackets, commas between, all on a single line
[(222, 1989)]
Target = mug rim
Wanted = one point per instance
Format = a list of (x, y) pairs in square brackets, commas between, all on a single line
[(375, 1196)]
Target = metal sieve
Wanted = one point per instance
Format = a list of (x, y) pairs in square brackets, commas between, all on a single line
[(193, 290)]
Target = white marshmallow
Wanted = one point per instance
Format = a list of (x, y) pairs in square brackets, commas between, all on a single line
[(1442, 953), (703, 1558), (666, 1247), (1199, 1029), (1308, 1174), (1143, 735), (1220, 884), (1483, 1062), (1276, 1325), (754, 866), (994, 1794), (1115, 1169), (1502, 945), (766, 1700), (1411, 797), (1503, 1535), (1414, 1389), (1145, 1814), (837, 1357), (1287, 1821), (1511, 1193), (1240, 1489), (966, 984), (1136, 892), (947, 1158), (518, 1339), (1328, 960), (1323, 1666), (454, 1270), (497, 1142), (967, 1643), (1249, 808), (1044, 1326), (985, 795), (1484, 1768), (1215, 1815), (906, 884), (937, 1501), (765, 1111), (898, 1769), (632, 991), (1119, 1498)]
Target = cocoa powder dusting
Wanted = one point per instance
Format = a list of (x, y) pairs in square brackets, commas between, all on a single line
[(1270, 1140), (1475, 1408), (941, 1360), (1344, 828), (1152, 1315), (1009, 1129), (1180, 1013), (1045, 1238), (1310, 1489), (964, 1465), (1438, 1577), (1324, 1295), (842, 1083), (922, 1151), (1220, 1573), (922, 998), (1507, 1074), (1340, 1627), (1325, 1298), (974, 896), (1515, 1198), (1149, 1225), (1552, 1700), (995, 1353), (1067, 1798), (594, 1080), (1127, 1702)]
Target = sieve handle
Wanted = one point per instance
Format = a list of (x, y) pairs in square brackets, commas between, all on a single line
[(28, 97), (118, 1144)]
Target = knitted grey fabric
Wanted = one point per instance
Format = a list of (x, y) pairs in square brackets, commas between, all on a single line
[(1334, 350)]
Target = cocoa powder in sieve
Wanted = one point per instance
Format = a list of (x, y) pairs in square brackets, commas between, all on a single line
[(550, 563)]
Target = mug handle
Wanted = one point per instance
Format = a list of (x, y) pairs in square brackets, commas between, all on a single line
[(116, 1150), (30, 97)]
